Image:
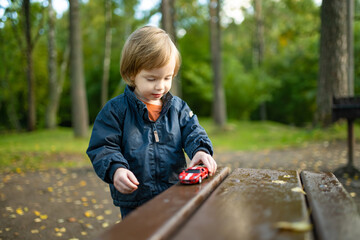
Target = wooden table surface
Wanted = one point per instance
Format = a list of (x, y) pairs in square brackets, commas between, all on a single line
[(247, 204)]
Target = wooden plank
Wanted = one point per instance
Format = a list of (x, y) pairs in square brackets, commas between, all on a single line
[(334, 212), (247, 205), (158, 218)]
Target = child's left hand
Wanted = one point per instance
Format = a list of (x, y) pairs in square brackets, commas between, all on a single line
[(206, 159)]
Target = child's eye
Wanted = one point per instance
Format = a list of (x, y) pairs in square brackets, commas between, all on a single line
[(168, 78), (150, 79)]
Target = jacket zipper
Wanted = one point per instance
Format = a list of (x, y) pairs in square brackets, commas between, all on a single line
[(157, 167)]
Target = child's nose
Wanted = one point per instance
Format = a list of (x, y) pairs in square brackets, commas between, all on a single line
[(160, 85)]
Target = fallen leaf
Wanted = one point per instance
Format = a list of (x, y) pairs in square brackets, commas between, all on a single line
[(108, 212), (50, 189), (353, 194), (105, 225), (89, 226), (34, 231), (71, 219), (298, 189), (9, 209), (19, 211), (82, 183), (37, 213), (89, 213), (286, 176), (43, 216), (83, 233), (294, 226), (37, 220), (100, 217), (278, 181)]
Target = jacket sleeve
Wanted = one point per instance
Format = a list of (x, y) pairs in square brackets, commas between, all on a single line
[(194, 137), (104, 148)]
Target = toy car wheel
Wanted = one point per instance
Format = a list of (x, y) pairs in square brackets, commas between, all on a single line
[(200, 180)]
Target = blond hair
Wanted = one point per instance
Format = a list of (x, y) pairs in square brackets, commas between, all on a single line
[(147, 48)]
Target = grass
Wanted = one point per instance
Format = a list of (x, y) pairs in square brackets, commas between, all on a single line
[(252, 136), (45, 149)]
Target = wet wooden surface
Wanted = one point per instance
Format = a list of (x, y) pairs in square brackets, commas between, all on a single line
[(334, 212), (158, 218), (247, 205)]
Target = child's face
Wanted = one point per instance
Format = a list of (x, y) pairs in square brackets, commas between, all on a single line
[(151, 85)]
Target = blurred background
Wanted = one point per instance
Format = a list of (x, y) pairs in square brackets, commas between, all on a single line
[(266, 65), (260, 75)]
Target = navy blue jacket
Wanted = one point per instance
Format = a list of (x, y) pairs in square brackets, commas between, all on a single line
[(123, 136)]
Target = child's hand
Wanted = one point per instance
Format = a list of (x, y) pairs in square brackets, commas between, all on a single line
[(125, 181), (206, 159)]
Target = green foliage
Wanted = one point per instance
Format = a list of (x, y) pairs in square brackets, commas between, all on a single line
[(286, 80)]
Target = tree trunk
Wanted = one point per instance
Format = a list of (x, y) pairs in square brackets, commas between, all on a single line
[(29, 70), (219, 104), (333, 66), (168, 24), (52, 108), (80, 118), (259, 49), (107, 54), (350, 41)]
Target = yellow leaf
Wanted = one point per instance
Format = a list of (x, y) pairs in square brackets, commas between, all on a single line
[(34, 231), (83, 233), (105, 225), (294, 226), (37, 213), (89, 226), (89, 213), (298, 189), (43, 216), (82, 183), (353, 194), (107, 212), (50, 189), (99, 218), (286, 176), (37, 220), (19, 211), (9, 209), (278, 181)]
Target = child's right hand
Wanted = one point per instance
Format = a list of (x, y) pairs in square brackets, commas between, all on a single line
[(125, 181)]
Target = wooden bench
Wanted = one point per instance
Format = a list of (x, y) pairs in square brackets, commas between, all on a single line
[(247, 204)]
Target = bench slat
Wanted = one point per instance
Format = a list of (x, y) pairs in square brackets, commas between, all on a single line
[(333, 210), (247, 205), (158, 218)]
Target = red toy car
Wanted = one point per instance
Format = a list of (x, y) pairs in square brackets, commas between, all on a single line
[(193, 175)]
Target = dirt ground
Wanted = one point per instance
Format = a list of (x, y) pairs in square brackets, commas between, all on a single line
[(76, 204)]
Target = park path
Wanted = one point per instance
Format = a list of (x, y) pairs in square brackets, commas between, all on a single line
[(76, 204)]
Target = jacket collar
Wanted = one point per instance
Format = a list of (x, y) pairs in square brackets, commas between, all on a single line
[(129, 92)]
